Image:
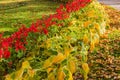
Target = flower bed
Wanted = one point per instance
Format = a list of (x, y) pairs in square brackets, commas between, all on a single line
[(57, 45)]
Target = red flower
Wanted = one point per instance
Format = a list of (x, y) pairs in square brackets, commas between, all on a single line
[(6, 54), (83, 5), (66, 16), (5, 44), (38, 23), (33, 28), (19, 46), (88, 0), (1, 53), (47, 22), (0, 35), (53, 23), (45, 31)]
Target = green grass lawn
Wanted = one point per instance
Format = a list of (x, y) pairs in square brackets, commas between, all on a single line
[(13, 13)]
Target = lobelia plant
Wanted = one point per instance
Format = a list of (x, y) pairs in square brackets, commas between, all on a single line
[(69, 36)]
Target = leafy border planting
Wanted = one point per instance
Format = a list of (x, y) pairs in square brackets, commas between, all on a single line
[(61, 50)]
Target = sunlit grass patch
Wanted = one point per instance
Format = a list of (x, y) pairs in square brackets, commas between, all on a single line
[(11, 1)]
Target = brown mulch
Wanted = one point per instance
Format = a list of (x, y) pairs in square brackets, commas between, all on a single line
[(114, 16), (105, 63)]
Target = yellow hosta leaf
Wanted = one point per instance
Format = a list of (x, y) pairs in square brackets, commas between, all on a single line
[(51, 76), (48, 43), (67, 52), (29, 58), (19, 74), (96, 41), (72, 66), (85, 76), (47, 63), (70, 23), (49, 70), (85, 67), (97, 26), (92, 30), (70, 76), (25, 64), (87, 23), (73, 22), (85, 39), (68, 37), (61, 75), (91, 13), (104, 36), (86, 58), (92, 46), (86, 70), (31, 72), (91, 34), (8, 77), (60, 57)]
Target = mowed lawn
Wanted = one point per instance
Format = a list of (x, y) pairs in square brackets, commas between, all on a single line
[(13, 13)]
